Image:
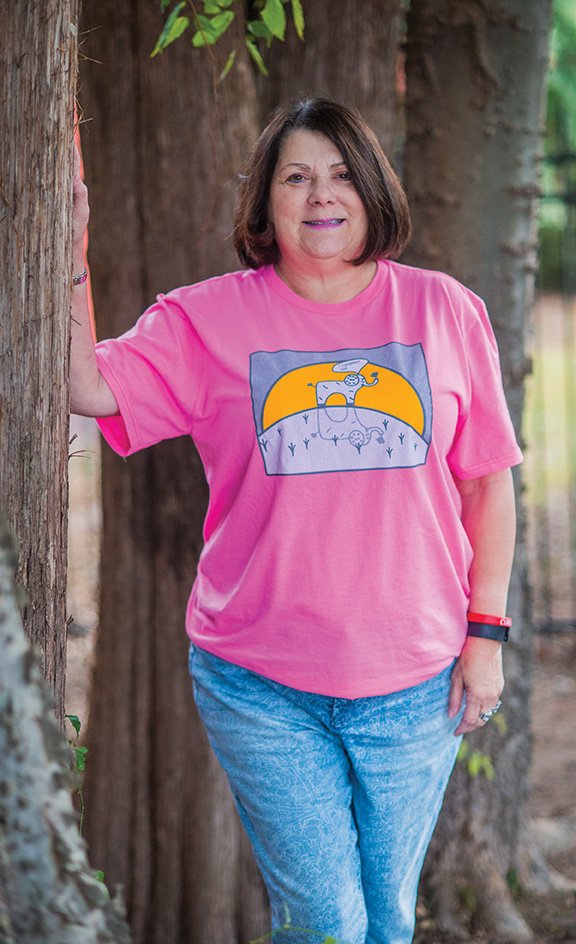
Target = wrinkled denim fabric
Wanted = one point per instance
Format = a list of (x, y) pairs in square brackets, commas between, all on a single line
[(339, 797)]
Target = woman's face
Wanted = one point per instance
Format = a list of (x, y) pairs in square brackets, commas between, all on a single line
[(316, 211)]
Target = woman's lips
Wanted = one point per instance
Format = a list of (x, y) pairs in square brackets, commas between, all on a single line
[(319, 224)]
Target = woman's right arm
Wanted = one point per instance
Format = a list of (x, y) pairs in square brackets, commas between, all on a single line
[(90, 395)]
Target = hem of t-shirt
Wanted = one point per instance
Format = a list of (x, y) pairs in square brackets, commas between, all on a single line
[(364, 298), (125, 412), (489, 466), (351, 692)]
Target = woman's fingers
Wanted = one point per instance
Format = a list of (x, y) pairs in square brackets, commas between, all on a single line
[(477, 675), (81, 210), (471, 717), (475, 706)]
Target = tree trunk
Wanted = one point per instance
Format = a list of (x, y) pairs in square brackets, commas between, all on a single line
[(162, 144), (160, 153), (48, 894), (349, 54), (475, 76), (37, 83)]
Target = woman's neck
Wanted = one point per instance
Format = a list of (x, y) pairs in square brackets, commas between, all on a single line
[(327, 284)]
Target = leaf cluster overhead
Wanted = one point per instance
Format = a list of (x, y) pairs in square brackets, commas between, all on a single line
[(265, 21)]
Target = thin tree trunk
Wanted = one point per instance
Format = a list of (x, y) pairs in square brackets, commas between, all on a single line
[(162, 144), (37, 83), (475, 74), (48, 894), (350, 53)]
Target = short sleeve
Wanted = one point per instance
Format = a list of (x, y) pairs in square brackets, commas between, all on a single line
[(485, 441), (155, 371)]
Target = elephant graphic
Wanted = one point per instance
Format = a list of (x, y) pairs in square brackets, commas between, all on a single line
[(339, 421)]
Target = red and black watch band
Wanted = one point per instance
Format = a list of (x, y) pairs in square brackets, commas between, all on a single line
[(485, 626)]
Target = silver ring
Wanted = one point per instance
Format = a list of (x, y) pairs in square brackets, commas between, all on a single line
[(486, 715)]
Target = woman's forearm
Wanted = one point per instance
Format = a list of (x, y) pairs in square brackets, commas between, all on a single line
[(89, 395), (489, 518)]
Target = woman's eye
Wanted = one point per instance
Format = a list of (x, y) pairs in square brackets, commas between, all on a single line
[(296, 178), (345, 175)]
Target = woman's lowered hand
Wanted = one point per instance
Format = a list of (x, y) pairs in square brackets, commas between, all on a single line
[(478, 680)]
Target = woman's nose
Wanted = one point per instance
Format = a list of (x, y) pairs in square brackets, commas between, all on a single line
[(321, 191)]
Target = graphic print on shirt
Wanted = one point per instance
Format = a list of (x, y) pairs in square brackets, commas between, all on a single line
[(335, 411)]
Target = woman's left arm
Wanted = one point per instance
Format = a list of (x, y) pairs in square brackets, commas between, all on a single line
[(489, 518)]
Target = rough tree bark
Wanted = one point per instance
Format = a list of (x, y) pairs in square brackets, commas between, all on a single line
[(162, 822), (475, 76), (48, 894), (159, 156), (162, 144), (350, 54), (37, 84)]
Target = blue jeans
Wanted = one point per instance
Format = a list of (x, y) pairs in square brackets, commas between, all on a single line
[(339, 797)]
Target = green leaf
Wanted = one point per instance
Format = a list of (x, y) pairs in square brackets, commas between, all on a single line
[(479, 763), (80, 757), (255, 53), (274, 16), (216, 6), (99, 876), (164, 4), (259, 29), (474, 764), (173, 28), (75, 722), (500, 722), (229, 63), (298, 17), (210, 29)]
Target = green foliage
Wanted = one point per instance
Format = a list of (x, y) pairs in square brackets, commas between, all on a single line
[(561, 114), (265, 21), (513, 882), (558, 209), (288, 926), (75, 722), (467, 898), (274, 18), (79, 762), (210, 29), (80, 758), (174, 26), (255, 53), (499, 721), (298, 17), (229, 63), (476, 762)]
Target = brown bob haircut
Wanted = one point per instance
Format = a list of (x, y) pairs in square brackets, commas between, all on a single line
[(376, 183)]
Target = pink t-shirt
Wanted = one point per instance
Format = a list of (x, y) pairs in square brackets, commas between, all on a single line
[(334, 557)]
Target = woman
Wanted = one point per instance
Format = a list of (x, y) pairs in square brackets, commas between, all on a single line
[(347, 617)]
